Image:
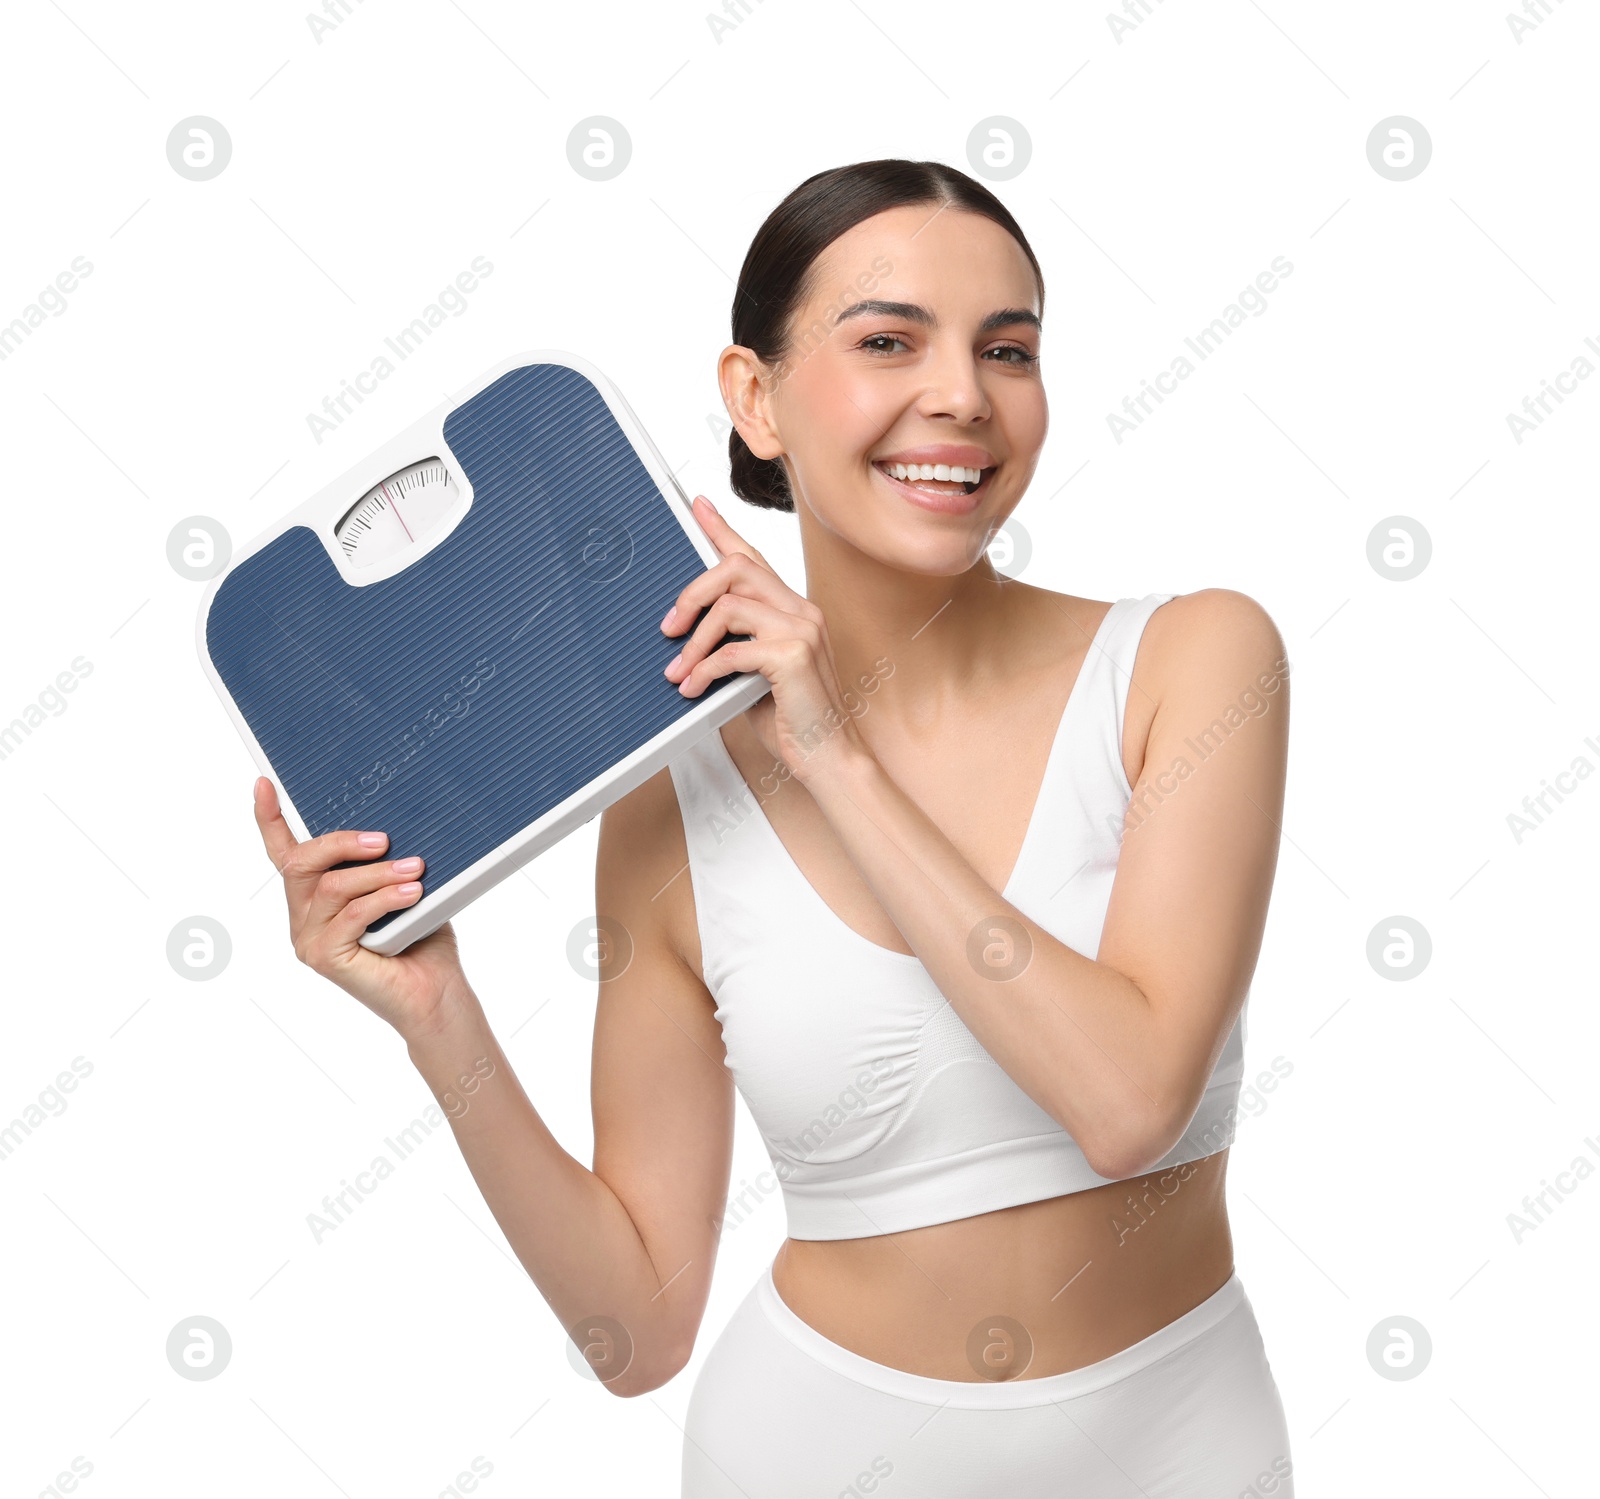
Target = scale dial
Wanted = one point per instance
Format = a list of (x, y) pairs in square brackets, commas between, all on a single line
[(398, 513)]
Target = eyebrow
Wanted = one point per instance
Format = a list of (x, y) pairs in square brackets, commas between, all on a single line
[(1006, 317)]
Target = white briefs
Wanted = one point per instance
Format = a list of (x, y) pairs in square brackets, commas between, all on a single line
[(1191, 1412)]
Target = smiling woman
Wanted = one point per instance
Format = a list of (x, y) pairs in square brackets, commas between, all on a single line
[(981, 1004), (950, 898)]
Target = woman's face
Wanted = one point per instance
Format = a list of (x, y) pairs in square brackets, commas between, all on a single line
[(918, 345)]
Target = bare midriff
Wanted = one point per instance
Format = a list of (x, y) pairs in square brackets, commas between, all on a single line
[(1081, 1276)]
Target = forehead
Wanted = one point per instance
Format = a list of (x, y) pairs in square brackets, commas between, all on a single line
[(944, 257)]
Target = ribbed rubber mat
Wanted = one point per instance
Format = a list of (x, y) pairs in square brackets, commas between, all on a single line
[(456, 702)]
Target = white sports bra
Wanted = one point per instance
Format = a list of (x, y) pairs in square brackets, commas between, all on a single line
[(879, 1108)]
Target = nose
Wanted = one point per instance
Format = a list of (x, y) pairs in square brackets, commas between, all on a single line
[(954, 387)]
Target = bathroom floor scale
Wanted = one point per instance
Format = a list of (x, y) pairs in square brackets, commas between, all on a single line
[(458, 642)]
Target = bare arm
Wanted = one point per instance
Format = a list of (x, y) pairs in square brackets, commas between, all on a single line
[(1118, 1048), (622, 1253)]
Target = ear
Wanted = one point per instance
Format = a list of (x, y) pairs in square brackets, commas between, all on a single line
[(746, 385)]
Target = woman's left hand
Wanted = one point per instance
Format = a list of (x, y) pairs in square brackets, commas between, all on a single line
[(804, 720)]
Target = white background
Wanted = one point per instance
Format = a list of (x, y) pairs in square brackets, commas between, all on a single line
[(1167, 169)]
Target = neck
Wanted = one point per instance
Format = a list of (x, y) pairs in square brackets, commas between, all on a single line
[(942, 638)]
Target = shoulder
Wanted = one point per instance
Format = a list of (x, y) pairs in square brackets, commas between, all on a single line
[(1205, 657), (1212, 635)]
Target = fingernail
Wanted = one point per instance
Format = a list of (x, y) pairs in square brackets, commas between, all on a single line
[(407, 866), (410, 889), (709, 506), (666, 670), (372, 840), (672, 614)]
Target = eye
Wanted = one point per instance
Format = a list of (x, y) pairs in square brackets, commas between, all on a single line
[(1023, 356), (881, 338)]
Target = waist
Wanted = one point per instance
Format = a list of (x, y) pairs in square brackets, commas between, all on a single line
[(1026, 1291)]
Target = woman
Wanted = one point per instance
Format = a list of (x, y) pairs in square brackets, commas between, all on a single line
[(967, 908)]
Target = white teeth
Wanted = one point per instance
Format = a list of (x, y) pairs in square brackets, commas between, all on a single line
[(944, 472)]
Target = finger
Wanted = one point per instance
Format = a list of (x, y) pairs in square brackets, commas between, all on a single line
[(342, 936), (338, 887), (723, 537), (736, 574), (307, 863), (735, 614), (276, 836), (776, 660)]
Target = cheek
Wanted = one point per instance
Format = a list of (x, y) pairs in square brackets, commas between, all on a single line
[(1026, 417), (838, 416)]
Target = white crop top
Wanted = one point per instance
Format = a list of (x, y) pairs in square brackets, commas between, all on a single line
[(879, 1108)]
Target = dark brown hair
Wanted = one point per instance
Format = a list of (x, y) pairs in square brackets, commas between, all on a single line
[(775, 279)]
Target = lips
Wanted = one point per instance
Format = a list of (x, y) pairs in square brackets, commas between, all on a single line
[(947, 498)]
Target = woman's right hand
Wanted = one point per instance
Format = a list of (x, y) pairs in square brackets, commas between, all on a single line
[(329, 909)]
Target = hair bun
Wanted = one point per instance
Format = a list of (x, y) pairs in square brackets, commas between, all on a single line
[(758, 481)]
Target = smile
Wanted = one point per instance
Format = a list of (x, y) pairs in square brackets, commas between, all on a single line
[(937, 486)]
